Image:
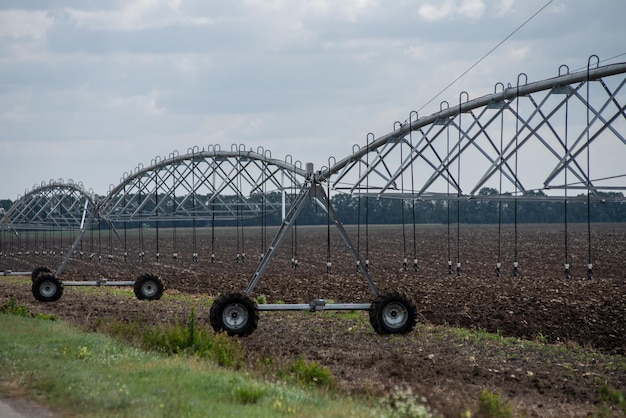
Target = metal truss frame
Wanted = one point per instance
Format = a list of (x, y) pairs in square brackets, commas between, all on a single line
[(56, 204), (427, 142), (212, 184), (558, 119), (312, 189), (205, 184), (557, 122), (233, 184)]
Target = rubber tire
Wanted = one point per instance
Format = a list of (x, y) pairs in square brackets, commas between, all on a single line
[(393, 313), (148, 287), (47, 288), (38, 271), (234, 313)]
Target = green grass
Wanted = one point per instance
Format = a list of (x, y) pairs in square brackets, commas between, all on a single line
[(494, 406), (177, 339), (92, 375), (611, 397), (189, 339), (183, 369), (11, 307)]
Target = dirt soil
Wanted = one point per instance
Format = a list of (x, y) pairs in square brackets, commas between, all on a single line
[(539, 305)]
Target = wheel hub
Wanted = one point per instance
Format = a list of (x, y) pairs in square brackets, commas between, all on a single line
[(149, 289), (47, 289), (395, 315), (235, 316)]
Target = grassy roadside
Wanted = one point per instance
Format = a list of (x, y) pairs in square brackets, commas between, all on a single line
[(122, 368), (81, 374)]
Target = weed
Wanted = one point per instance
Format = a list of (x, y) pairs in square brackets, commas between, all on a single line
[(249, 393), (261, 299), (175, 339), (402, 403), (171, 340), (610, 395), (46, 316), (124, 331), (227, 351), (265, 362), (72, 352), (11, 307), (312, 374), (493, 405), (541, 339), (191, 328)]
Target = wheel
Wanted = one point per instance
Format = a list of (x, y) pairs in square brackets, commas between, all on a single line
[(235, 313), (148, 287), (37, 271), (47, 288), (393, 313)]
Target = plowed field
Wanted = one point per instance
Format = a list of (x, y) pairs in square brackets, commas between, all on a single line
[(550, 316)]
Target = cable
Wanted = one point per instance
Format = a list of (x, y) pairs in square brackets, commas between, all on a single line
[(212, 233), (329, 263), (516, 239), (294, 228), (404, 258), (194, 239), (458, 198), (358, 224), (367, 204), (566, 162), (125, 230), (589, 259), (415, 267), (487, 54), (174, 210), (448, 195), (156, 222), (499, 262)]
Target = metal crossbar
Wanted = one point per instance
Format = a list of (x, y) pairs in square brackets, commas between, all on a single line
[(538, 111)]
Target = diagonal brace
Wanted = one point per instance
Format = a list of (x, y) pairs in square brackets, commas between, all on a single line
[(314, 190)]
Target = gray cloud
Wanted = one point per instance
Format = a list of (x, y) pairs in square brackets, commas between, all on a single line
[(92, 88)]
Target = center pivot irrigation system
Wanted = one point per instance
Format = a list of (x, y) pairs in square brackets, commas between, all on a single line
[(535, 141)]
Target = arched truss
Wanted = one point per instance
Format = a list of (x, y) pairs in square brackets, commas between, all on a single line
[(56, 204), (211, 184), (546, 139), (543, 140)]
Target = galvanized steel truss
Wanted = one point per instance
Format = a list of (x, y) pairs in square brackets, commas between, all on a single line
[(532, 140), (205, 184), (541, 140), (54, 205), (551, 139), (208, 184)]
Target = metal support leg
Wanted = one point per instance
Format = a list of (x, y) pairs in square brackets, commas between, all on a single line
[(316, 191), (76, 241), (288, 222), (83, 229)]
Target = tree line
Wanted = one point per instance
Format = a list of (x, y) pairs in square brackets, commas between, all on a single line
[(352, 210)]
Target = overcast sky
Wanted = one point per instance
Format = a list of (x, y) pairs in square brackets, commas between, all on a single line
[(89, 89)]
